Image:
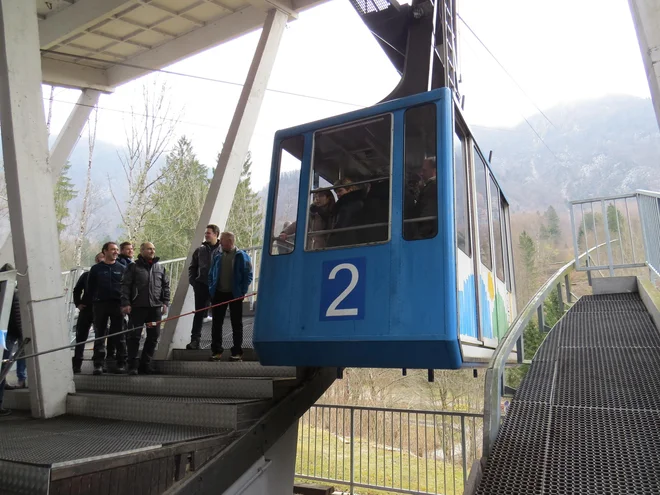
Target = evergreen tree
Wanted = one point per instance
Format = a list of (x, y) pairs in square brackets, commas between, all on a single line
[(64, 192), (177, 202), (551, 230), (615, 220), (246, 215), (528, 258)]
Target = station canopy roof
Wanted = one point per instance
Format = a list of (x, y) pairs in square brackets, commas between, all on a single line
[(102, 44)]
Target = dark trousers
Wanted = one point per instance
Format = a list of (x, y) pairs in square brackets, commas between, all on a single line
[(139, 317), (236, 316), (104, 311), (202, 300), (85, 320)]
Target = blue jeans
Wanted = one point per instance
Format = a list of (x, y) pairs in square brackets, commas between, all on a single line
[(21, 366)]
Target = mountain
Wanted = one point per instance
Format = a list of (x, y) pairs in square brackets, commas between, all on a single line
[(600, 147)]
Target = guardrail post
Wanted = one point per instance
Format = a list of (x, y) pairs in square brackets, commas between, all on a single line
[(465, 473), (521, 351), (352, 475), (541, 318), (606, 227), (569, 296), (560, 298)]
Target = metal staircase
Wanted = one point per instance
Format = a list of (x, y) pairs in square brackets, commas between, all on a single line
[(153, 433)]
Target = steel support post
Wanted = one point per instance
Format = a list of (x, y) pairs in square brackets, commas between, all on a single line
[(228, 172), (61, 150), (645, 15), (560, 298), (32, 208), (567, 281)]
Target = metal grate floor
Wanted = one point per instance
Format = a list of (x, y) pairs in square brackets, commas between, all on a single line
[(68, 438), (585, 419)]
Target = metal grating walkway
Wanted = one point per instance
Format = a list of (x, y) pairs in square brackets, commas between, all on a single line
[(586, 418)]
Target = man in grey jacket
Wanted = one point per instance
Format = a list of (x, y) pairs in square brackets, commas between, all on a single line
[(145, 295), (198, 276)]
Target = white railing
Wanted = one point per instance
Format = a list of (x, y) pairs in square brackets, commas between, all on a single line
[(614, 229)]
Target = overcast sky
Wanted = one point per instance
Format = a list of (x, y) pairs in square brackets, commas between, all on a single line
[(561, 50)]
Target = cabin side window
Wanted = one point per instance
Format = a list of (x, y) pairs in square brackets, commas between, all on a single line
[(420, 200), (285, 212), (461, 195), (350, 185), (482, 211), (497, 229), (506, 232)]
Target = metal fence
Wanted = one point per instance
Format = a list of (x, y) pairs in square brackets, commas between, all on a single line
[(610, 228), (649, 211), (174, 269), (390, 450)]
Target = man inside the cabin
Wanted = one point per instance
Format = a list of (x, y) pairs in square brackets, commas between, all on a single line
[(426, 205), (145, 295), (230, 276), (198, 277), (104, 287)]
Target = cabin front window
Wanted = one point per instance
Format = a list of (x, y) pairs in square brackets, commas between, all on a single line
[(350, 185), (285, 212)]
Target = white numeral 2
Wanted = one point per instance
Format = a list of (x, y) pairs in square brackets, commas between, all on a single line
[(355, 276)]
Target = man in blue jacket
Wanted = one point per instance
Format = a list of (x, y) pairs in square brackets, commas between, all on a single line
[(230, 276), (104, 288)]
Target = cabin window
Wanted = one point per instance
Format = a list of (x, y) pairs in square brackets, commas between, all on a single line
[(420, 200), (482, 211), (285, 212), (461, 196), (497, 229), (350, 185), (506, 231)]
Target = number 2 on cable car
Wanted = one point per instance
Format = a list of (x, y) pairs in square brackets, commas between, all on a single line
[(343, 283)]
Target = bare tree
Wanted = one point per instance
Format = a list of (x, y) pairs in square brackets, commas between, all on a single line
[(150, 132), (85, 210)]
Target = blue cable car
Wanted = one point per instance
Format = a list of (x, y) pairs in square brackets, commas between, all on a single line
[(387, 243)]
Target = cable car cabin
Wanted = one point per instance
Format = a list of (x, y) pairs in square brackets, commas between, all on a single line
[(387, 243)]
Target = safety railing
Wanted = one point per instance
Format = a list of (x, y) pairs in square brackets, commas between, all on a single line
[(649, 212), (393, 450), (612, 230)]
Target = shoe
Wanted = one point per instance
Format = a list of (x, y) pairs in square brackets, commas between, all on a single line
[(110, 357), (21, 384), (133, 372), (216, 357), (193, 346), (120, 369), (237, 357), (5, 412), (98, 370), (77, 370)]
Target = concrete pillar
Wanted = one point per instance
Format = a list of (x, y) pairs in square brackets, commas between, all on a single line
[(61, 150), (227, 174), (31, 207), (646, 17)]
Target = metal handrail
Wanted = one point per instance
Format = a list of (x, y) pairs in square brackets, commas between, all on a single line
[(514, 335)]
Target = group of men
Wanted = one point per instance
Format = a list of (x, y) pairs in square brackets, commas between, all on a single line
[(118, 294), (220, 275)]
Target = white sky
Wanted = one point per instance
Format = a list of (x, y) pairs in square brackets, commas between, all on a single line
[(561, 50)]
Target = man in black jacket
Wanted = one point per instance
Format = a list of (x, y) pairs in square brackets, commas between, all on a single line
[(83, 301), (145, 295), (104, 288), (198, 276), (125, 253)]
